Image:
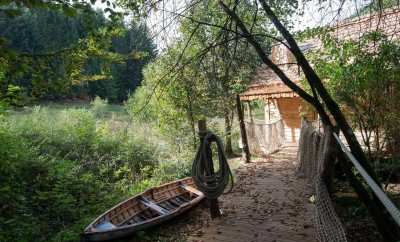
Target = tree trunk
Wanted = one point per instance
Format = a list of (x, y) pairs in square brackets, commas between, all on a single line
[(191, 117), (319, 90), (193, 127), (243, 134), (393, 143), (228, 135)]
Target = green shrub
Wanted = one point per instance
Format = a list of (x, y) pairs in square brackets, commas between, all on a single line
[(14, 96), (99, 107), (3, 108), (76, 128), (69, 133), (60, 170)]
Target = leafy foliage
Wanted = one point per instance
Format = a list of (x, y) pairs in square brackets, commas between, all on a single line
[(53, 56), (199, 76), (363, 76), (137, 49), (99, 107), (61, 169), (376, 6)]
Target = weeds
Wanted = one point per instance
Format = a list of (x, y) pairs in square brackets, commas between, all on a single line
[(59, 170)]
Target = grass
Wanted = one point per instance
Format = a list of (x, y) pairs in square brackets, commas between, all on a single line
[(64, 164), (109, 111)]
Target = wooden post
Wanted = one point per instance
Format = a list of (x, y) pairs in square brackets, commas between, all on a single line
[(247, 109), (267, 112), (250, 113), (276, 107), (243, 134), (213, 203)]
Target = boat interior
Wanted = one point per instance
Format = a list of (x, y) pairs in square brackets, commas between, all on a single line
[(148, 205)]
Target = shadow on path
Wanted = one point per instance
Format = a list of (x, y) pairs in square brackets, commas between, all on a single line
[(268, 203)]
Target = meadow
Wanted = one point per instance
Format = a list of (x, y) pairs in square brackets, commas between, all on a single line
[(64, 164)]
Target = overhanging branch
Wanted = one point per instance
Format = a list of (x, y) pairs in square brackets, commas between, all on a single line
[(264, 57)]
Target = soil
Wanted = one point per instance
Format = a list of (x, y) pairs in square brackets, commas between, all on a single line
[(358, 224)]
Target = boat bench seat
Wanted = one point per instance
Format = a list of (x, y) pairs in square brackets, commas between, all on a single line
[(192, 190), (106, 225), (154, 206)]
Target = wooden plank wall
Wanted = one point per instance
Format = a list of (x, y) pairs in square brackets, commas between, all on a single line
[(289, 109)]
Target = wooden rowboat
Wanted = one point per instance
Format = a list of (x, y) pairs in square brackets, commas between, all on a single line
[(144, 210)]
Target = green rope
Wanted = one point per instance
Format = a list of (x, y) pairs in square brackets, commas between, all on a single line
[(211, 185)]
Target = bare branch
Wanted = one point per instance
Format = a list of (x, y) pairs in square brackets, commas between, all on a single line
[(224, 27), (264, 56), (179, 66)]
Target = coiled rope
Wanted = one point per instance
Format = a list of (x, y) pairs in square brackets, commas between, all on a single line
[(212, 184)]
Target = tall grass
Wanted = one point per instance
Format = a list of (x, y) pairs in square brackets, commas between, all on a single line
[(60, 169)]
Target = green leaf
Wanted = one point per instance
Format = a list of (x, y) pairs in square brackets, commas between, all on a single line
[(69, 11)]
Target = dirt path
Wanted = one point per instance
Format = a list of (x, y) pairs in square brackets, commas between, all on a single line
[(269, 203)]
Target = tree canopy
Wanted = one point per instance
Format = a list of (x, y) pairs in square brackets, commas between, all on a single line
[(50, 55)]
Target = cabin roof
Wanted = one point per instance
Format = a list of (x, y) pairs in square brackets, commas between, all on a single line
[(267, 85)]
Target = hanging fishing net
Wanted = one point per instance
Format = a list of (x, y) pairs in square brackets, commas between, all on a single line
[(313, 157)]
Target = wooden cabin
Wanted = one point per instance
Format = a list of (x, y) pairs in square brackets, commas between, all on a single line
[(280, 101)]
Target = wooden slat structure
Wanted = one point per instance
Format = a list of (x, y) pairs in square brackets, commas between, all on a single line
[(279, 98), (267, 85)]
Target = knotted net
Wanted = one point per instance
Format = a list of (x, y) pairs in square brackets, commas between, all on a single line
[(314, 155), (265, 138)]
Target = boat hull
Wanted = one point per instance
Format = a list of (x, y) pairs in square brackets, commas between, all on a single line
[(163, 203)]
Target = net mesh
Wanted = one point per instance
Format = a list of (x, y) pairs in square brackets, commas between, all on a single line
[(313, 156), (265, 138)]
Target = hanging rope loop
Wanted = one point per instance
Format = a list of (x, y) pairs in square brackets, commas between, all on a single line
[(211, 183)]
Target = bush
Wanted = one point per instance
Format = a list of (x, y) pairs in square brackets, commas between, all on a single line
[(69, 133), (99, 107), (59, 170), (49, 193), (3, 108)]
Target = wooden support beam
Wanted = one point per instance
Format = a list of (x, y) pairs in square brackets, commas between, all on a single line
[(250, 113), (246, 109), (243, 133), (267, 112), (213, 203)]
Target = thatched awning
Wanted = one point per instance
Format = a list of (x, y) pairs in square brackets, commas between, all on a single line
[(264, 92), (267, 85)]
